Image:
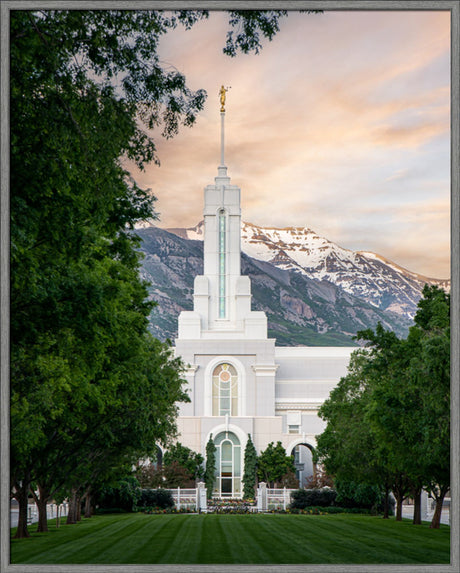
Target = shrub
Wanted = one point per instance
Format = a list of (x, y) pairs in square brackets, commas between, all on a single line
[(352, 494), (303, 498), (160, 498), (123, 496)]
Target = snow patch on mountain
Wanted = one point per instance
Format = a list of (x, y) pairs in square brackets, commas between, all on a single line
[(364, 274)]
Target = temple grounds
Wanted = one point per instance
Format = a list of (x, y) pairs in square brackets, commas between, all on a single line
[(235, 539)]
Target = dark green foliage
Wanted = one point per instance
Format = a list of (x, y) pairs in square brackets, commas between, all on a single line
[(191, 461), (273, 464), (90, 389), (250, 469), (388, 420), (210, 472), (351, 494), (125, 495), (303, 498), (160, 498), (248, 25)]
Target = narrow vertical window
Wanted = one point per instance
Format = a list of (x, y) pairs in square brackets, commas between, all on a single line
[(224, 391), (228, 465), (222, 270)]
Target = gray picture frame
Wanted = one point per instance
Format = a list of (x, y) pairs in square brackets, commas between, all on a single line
[(350, 5)]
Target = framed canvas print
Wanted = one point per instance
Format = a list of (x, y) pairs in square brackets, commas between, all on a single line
[(230, 286)]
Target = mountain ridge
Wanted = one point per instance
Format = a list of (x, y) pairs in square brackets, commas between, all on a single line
[(364, 274), (300, 310)]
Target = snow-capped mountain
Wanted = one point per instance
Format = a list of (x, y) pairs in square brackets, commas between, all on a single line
[(300, 310), (362, 274)]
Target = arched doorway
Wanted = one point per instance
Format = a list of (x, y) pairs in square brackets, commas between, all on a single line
[(228, 465), (303, 461)]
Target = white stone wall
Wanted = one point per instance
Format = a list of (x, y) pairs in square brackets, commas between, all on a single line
[(277, 387)]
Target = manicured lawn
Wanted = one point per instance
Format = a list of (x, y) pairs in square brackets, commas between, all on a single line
[(270, 538)]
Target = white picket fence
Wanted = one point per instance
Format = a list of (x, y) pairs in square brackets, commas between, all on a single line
[(268, 499), (185, 498), (32, 512), (278, 498)]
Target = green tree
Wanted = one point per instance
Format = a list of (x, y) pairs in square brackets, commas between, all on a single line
[(273, 463), (349, 447), (88, 90), (191, 461), (250, 469), (210, 471), (388, 419), (430, 371)]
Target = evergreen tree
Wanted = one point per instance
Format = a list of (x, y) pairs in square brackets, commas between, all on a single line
[(210, 472), (274, 464), (250, 469)]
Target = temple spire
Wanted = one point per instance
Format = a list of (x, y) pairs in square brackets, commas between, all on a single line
[(222, 168)]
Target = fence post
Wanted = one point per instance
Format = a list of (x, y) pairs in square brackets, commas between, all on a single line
[(284, 498), (201, 498), (178, 499), (262, 497)]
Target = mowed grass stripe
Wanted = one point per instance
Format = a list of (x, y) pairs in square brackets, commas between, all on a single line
[(181, 540), (238, 539), (141, 542), (359, 538), (400, 544)]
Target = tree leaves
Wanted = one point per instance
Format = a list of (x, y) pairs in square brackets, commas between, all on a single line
[(388, 420)]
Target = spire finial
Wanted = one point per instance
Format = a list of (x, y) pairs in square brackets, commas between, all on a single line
[(222, 93)]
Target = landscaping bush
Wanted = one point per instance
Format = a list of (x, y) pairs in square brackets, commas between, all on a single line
[(303, 498), (352, 494), (160, 498), (124, 496)]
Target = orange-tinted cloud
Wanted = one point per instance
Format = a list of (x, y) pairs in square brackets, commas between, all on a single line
[(341, 114)]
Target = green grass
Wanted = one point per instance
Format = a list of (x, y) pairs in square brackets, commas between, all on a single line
[(243, 539)]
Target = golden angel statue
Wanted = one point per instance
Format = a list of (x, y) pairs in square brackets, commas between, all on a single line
[(222, 98)]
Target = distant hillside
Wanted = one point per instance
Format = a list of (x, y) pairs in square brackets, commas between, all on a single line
[(301, 310), (365, 275)]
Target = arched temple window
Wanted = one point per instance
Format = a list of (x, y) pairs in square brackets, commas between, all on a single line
[(228, 465), (224, 390)]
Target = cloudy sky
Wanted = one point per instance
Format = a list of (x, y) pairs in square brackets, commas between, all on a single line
[(340, 124)]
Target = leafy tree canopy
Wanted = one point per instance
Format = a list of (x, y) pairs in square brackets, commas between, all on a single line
[(273, 463)]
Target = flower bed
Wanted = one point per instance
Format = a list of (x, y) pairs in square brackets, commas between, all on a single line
[(231, 506), (159, 510)]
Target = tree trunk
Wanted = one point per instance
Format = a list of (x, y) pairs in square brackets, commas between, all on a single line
[(22, 497), (399, 501), (78, 507), (436, 521), (417, 519), (88, 508), (72, 513), (386, 503), (42, 501)]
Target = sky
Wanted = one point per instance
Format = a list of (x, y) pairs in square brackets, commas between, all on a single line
[(340, 124)]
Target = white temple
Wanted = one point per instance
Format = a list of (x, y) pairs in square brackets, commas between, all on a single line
[(239, 381)]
